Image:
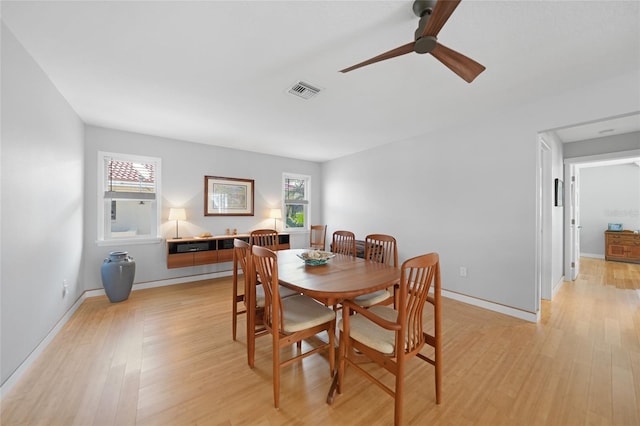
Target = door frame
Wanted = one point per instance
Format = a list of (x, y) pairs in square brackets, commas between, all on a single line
[(543, 223)]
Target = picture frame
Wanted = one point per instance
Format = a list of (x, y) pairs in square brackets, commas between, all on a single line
[(224, 196), (559, 192)]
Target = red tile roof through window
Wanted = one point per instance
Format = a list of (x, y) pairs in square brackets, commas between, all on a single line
[(126, 171)]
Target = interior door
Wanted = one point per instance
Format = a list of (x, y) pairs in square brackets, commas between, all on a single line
[(574, 221)]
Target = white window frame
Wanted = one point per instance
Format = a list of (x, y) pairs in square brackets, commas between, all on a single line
[(104, 202), (306, 203)]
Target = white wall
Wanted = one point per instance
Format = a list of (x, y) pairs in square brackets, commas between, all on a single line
[(184, 166), (467, 192), (608, 194), (42, 209)]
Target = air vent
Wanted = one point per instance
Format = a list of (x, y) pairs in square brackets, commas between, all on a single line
[(304, 90)]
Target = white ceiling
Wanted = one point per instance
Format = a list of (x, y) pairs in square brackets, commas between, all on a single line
[(600, 129), (218, 72)]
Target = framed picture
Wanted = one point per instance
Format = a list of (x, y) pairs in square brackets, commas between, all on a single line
[(225, 196), (559, 192)]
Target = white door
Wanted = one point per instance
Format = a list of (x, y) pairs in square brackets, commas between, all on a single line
[(574, 222)]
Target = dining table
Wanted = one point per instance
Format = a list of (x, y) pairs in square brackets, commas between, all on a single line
[(341, 277)]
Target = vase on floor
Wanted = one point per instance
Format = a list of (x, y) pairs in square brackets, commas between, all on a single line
[(118, 271)]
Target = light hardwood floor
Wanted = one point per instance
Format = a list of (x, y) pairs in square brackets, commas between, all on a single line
[(165, 357)]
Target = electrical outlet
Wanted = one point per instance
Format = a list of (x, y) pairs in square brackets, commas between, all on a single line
[(65, 288), (463, 271)]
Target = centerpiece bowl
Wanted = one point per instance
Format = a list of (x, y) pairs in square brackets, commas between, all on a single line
[(316, 257)]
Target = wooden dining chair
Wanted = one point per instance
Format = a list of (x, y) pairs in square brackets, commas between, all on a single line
[(317, 237), (292, 319), (390, 337), (241, 251), (252, 298), (379, 248), (344, 242), (264, 238)]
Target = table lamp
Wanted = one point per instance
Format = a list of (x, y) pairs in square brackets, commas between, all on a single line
[(177, 214), (275, 215)]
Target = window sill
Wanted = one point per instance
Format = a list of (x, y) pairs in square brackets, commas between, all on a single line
[(128, 241)]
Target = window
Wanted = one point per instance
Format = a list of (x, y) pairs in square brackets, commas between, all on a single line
[(128, 197), (296, 195)]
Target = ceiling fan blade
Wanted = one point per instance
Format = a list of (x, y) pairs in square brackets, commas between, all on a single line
[(440, 15), (465, 67), (398, 51)]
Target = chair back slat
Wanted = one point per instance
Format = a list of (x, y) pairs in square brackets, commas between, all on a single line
[(344, 242), (241, 252), (265, 262), (264, 238), (381, 248), (417, 276)]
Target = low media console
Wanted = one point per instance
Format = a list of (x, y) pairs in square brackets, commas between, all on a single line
[(195, 251)]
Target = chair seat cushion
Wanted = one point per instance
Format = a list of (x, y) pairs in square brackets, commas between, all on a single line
[(302, 312), (371, 299), (371, 334), (284, 292)]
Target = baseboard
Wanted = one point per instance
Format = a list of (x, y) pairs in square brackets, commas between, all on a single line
[(496, 307), (13, 379), (557, 287), (162, 283), (593, 255)]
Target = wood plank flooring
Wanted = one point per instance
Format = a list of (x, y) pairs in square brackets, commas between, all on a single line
[(165, 357)]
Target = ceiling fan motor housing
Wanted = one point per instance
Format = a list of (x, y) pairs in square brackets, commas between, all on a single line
[(425, 44), (422, 7)]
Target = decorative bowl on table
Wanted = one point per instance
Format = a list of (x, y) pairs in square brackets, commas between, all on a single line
[(316, 257)]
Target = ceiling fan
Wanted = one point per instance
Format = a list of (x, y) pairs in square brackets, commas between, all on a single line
[(433, 15)]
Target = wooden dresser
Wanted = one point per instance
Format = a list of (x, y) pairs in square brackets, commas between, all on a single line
[(185, 252), (622, 246)]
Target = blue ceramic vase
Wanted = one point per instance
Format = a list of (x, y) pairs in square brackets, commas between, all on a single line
[(118, 271)]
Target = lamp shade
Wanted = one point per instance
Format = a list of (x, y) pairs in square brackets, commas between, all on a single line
[(177, 214), (275, 214)]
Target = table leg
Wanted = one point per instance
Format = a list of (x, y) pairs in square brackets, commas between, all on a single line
[(335, 383), (333, 389)]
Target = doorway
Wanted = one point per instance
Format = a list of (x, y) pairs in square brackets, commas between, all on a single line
[(572, 167), (557, 242)]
